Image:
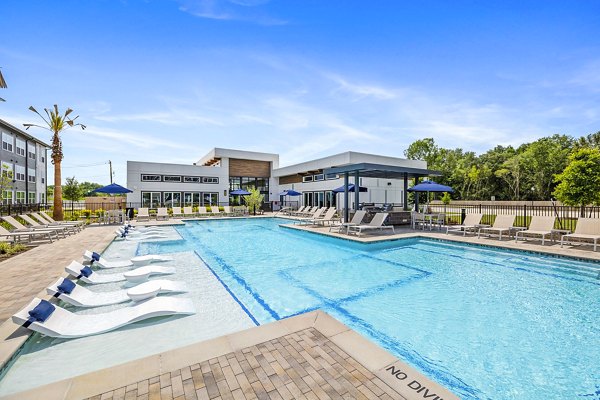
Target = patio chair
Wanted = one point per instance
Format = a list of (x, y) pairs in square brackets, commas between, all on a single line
[(471, 223), (16, 236), (36, 225), (87, 275), (176, 212), (138, 261), (418, 219), (586, 229), (19, 227), (356, 220), (327, 218), (502, 224), (143, 214), (188, 211), (539, 226), (202, 211), (375, 224), (227, 211), (214, 210), (315, 215), (43, 317), (162, 214), (52, 221), (79, 296), (79, 225), (298, 211)]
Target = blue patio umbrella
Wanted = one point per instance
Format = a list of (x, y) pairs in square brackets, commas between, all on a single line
[(290, 192), (239, 192), (430, 186), (113, 188), (350, 189)]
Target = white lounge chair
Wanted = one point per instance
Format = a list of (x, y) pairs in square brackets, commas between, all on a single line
[(539, 226), (16, 236), (376, 223), (36, 225), (52, 221), (138, 261), (121, 234), (79, 225), (470, 224), (214, 210), (137, 275), (327, 218), (143, 214), (162, 214), (176, 212), (188, 211), (80, 296), (586, 229), (228, 211), (202, 211), (502, 224), (65, 324), (356, 220), (19, 227)]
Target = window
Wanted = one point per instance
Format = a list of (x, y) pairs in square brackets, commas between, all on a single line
[(208, 199), (31, 175), (331, 176), (42, 198), (210, 179), (308, 178), (20, 144), (20, 197), (7, 197), (319, 177), (172, 178), (43, 180), (19, 173), (31, 197), (171, 199), (32, 152), (150, 199), (150, 178), (191, 198), (191, 179), (42, 159), (7, 169), (7, 141)]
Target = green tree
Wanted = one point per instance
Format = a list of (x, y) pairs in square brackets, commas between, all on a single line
[(72, 190), (255, 199), (591, 140), (423, 149), (56, 123), (88, 187), (6, 180), (579, 183), (512, 173)]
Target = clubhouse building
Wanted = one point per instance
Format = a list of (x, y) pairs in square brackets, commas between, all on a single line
[(211, 179)]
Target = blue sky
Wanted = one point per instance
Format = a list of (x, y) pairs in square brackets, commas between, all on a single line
[(168, 80)]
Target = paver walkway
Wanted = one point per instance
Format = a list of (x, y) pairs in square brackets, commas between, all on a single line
[(301, 365), (26, 275)]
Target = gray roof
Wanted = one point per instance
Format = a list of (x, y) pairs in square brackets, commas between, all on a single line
[(13, 128), (370, 170)]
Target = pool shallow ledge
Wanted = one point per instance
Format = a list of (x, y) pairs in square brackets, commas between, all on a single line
[(399, 376)]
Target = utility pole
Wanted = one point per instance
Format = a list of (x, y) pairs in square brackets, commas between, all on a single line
[(111, 174)]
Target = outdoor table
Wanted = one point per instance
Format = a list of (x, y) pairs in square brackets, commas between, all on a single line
[(559, 233), (514, 229)]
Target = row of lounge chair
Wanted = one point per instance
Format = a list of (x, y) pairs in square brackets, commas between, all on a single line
[(328, 216), (39, 226), (162, 213), (52, 320), (540, 227)]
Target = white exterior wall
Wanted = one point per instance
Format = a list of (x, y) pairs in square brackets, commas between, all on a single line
[(135, 169)]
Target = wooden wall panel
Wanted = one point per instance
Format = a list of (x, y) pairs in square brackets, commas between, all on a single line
[(290, 179), (252, 168)]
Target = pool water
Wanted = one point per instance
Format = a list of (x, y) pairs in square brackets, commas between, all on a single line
[(486, 323)]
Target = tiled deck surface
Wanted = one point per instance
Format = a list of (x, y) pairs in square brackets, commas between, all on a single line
[(302, 365)]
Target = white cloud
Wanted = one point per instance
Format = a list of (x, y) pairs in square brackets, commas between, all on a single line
[(227, 10)]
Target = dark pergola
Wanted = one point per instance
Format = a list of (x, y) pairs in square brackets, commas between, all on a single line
[(369, 170)]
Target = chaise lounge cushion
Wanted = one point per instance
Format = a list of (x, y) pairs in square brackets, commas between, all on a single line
[(86, 271), (66, 286), (42, 311)]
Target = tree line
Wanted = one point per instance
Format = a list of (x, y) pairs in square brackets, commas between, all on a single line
[(557, 166)]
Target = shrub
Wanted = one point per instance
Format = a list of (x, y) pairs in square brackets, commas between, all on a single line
[(10, 249)]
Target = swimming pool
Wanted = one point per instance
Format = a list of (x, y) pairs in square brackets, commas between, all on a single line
[(486, 323)]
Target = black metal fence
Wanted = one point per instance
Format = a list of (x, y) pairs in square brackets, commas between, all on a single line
[(566, 216)]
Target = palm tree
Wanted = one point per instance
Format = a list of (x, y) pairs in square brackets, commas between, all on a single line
[(56, 123)]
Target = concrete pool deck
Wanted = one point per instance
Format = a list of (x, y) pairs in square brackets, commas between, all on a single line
[(47, 263)]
